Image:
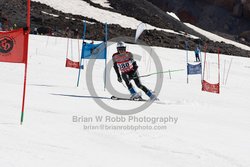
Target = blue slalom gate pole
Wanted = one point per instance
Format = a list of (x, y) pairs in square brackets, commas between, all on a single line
[(106, 45), (186, 43), (200, 60), (82, 56)]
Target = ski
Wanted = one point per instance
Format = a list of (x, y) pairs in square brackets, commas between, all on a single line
[(123, 98), (142, 100)]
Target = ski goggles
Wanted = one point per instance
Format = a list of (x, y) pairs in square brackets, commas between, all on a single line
[(121, 49)]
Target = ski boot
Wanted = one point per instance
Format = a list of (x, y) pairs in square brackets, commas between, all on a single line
[(152, 96), (134, 95)]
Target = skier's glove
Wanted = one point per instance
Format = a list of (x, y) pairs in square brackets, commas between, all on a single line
[(134, 75), (119, 79)]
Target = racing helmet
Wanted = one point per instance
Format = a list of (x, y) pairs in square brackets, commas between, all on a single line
[(121, 46)]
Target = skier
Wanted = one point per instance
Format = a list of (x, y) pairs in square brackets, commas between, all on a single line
[(197, 54), (124, 62)]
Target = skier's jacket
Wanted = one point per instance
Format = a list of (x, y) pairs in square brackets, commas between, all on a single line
[(124, 62)]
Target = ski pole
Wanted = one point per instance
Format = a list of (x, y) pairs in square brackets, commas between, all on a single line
[(123, 85), (155, 73)]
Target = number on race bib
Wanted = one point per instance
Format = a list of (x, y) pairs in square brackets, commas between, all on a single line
[(125, 66)]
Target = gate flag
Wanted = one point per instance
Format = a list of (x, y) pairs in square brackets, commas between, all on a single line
[(208, 87), (94, 51), (12, 46), (194, 69), (14, 49), (72, 64)]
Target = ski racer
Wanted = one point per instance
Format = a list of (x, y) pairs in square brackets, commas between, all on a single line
[(124, 62)]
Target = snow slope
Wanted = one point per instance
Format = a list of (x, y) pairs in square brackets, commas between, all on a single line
[(211, 36), (103, 3), (79, 7), (215, 37), (211, 130)]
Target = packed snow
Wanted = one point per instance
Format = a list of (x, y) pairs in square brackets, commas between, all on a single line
[(60, 121), (201, 128), (173, 15)]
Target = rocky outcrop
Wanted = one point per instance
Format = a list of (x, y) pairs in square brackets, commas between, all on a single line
[(246, 9), (46, 23), (224, 16), (186, 16), (245, 36)]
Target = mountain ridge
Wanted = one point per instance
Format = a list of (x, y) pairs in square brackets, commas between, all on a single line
[(151, 37), (217, 16)]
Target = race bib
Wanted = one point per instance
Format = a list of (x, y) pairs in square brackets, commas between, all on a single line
[(125, 66)]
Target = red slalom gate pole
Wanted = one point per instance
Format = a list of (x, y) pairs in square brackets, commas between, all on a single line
[(26, 42)]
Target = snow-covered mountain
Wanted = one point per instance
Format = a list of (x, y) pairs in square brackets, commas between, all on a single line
[(229, 17), (122, 17)]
